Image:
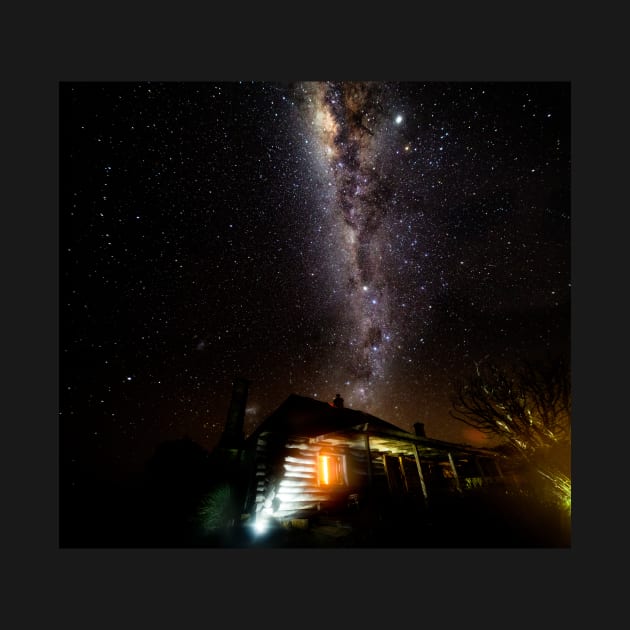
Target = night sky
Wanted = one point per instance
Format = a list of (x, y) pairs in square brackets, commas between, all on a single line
[(369, 239)]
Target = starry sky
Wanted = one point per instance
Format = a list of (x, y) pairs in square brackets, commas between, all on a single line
[(372, 239)]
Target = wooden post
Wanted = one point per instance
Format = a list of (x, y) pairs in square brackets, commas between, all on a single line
[(369, 460), (450, 459), (404, 474), (416, 453), (387, 473), (480, 469)]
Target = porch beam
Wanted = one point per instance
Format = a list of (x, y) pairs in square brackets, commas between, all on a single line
[(416, 454)]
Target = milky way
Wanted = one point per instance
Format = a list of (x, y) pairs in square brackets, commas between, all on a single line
[(349, 122), (374, 240)]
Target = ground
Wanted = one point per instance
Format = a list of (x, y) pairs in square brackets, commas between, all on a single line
[(477, 522)]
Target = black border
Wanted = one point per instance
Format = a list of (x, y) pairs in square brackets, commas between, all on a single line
[(138, 587)]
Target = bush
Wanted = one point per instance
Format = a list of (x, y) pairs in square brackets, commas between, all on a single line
[(217, 510)]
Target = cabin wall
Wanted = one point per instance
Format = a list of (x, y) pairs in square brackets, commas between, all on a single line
[(288, 485), (295, 490)]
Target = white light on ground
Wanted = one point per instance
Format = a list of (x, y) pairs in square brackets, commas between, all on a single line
[(261, 525)]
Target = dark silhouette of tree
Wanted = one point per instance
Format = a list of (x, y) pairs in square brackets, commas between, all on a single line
[(527, 407)]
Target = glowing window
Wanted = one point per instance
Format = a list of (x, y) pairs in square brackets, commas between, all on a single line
[(330, 469)]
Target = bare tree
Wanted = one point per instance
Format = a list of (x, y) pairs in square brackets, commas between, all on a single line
[(527, 407)]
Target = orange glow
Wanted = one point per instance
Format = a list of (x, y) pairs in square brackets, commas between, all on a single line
[(474, 437), (324, 468), (331, 470)]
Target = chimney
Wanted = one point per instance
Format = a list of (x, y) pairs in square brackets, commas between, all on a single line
[(338, 402), (418, 428), (233, 435)]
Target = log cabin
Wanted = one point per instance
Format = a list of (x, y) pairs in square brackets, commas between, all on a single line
[(309, 458)]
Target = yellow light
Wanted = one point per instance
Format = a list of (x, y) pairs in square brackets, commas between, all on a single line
[(324, 460)]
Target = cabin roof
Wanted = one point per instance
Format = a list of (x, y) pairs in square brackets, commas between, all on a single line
[(310, 418), (300, 415)]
